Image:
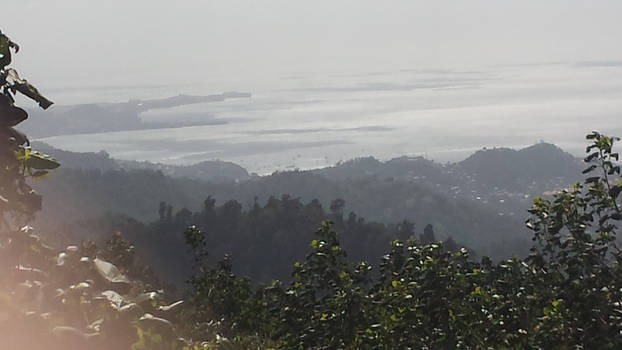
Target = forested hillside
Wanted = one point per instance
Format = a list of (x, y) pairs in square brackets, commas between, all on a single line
[(459, 200), (264, 241), (536, 168)]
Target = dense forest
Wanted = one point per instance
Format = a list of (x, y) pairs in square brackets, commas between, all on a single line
[(460, 200), (264, 241)]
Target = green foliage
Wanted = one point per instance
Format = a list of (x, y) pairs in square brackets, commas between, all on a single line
[(74, 299), (565, 294), (18, 162), (230, 303), (264, 239)]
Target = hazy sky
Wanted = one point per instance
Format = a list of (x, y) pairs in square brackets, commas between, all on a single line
[(154, 41)]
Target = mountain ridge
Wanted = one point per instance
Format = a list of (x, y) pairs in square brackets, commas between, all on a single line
[(458, 202)]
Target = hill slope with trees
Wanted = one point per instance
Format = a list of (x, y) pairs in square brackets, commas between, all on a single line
[(459, 200)]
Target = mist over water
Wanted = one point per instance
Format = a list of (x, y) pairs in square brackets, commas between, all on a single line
[(314, 120)]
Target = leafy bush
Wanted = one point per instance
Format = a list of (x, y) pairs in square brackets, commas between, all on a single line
[(72, 299), (565, 294)]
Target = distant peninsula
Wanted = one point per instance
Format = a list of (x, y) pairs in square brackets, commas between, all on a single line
[(125, 116)]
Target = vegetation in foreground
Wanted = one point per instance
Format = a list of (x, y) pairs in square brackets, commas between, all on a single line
[(565, 295)]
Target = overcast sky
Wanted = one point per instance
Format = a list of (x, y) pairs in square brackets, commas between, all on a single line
[(154, 41)]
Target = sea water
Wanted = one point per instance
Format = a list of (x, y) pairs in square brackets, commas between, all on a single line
[(310, 120)]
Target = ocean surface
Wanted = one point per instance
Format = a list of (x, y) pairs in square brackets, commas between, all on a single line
[(311, 120)]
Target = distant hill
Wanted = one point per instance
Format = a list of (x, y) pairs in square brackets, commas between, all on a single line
[(211, 171), (403, 168), (77, 194), (540, 165), (480, 201), (88, 160), (528, 171)]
